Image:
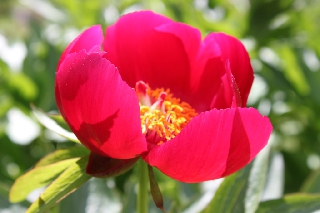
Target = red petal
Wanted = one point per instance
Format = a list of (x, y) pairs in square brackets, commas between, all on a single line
[(166, 57), (232, 49), (214, 144), (100, 108), (228, 94), (87, 40), (124, 38), (206, 76), (208, 85), (105, 167)]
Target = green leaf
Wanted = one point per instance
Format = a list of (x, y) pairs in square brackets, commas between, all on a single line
[(312, 183), (96, 196), (295, 203), (274, 187), (49, 123), (36, 178), (257, 181), (63, 154), (23, 85), (202, 196), (230, 195), (71, 179), (155, 190), (292, 70)]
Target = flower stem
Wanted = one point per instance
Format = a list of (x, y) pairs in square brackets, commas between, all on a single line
[(142, 201)]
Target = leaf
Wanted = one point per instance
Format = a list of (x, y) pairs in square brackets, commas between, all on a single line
[(76, 201), (292, 70), (23, 85), (4, 189), (155, 190), (36, 178), (312, 183), (230, 195), (274, 186), (257, 180), (295, 203), (71, 179), (45, 171), (49, 123), (63, 154), (208, 190), (96, 195), (277, 77)]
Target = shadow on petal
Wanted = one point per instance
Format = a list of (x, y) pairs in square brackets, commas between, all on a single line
[(104, 167), (238, 155), (92, 133)]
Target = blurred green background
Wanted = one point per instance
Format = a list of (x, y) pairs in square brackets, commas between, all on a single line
[(281, 36)]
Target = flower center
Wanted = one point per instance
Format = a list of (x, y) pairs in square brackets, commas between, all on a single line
[(162, 115)]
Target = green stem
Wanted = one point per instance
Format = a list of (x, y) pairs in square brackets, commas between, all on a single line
[(142, 201)]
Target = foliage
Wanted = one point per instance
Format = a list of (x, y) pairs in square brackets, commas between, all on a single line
[(282, 37)]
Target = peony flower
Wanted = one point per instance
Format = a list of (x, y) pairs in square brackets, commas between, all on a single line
[(153, 88)]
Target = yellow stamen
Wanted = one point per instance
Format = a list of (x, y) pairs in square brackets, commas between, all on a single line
[(165, 121)]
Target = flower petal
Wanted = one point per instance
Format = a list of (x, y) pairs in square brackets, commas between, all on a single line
[(206, 76), (105, 167), (228, 94), (100, 108), (207, 87), (232, 49), (214, 144), (124, 38), (159, 51), (166, 57), (87, 40)]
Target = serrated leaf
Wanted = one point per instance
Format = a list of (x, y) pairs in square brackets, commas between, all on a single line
[(63, 154), (257, 180), (296, 203), (71, 179), (230, 195), (36, 178), (49, 123)]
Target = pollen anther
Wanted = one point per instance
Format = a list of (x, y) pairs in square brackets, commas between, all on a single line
[(166, 116)]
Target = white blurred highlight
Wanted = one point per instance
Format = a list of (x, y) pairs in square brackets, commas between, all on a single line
[(275, 179), (12, 54), (258, 90), (21, 129), (209, 189)]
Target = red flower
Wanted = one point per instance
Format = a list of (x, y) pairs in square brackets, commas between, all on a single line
[(187, 113)]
